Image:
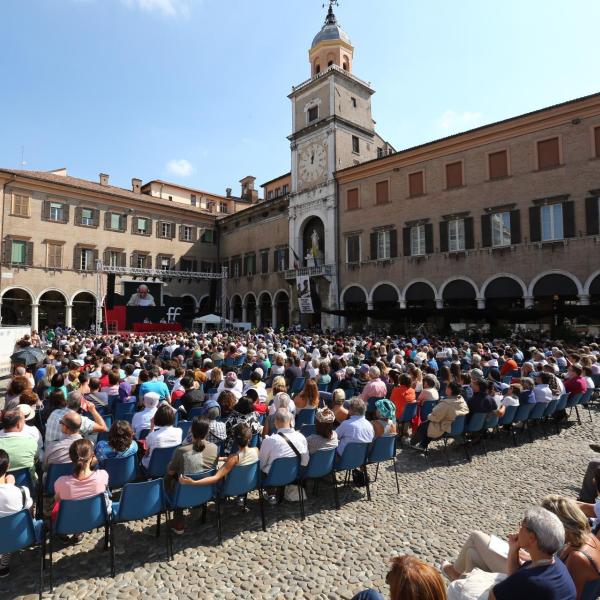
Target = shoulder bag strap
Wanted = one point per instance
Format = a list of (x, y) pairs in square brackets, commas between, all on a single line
[(290, 444)]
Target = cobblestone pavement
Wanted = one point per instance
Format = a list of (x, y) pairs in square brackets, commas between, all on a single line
[(332, 554)]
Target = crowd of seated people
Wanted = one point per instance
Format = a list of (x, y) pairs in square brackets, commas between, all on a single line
[(358, 389)]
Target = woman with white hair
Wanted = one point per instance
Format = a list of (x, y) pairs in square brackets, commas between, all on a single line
[(280, 400)]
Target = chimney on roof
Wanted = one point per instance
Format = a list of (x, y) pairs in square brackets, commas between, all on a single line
[(103, 179), (136, 186), (228, 192)]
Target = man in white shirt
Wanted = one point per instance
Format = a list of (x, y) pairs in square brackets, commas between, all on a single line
[(141, 420), (278, 445), (542, 391), (232, 384)]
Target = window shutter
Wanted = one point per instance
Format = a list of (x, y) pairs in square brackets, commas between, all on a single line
[(415, 184), (498, 164), (194, 234), (469, 234), (95, 259), (382, 195), (77, 258), (353, 249), (78, 215), (286, 258), (181, 233), (6, 250), (443, 236), (535, 224), (96, 217), (591, 214), (158, 228), (65, 212), (597, 142), (46, 210), (133, 259), (429, 238), (148, 261), (548, 154), (454, 175), (352, 199), (515, 226), (406, 241), (568, 210), (29, 253), (106, 257), (486, 230), (107, 220), (374, 245), (393, 243), (123, 223), (172, 231), (275, 263)]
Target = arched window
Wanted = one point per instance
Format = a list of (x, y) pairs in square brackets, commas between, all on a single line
[(345, 66), (317, 69), (329, 63)]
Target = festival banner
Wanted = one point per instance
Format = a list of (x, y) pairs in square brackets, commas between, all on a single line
[(304, 300)]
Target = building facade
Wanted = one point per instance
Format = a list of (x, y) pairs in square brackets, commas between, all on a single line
[(502, 217)]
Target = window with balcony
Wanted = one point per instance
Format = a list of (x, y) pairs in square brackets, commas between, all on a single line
[(456, 235), (552, 222), (501, 231), (417, 240)]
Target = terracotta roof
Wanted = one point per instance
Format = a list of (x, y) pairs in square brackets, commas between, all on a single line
[(183, 187), (289, 174), (111, 190)]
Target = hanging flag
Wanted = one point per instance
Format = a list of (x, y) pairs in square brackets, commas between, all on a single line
[(296, 259), (304, 299)]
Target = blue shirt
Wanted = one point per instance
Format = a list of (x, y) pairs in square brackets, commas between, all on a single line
[(354, 429), (548, 582), (160, 387), (104, 450)]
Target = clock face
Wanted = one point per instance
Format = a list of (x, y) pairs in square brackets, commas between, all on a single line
[(312, 163)]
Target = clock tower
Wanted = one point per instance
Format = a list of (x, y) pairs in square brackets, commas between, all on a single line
[(332, 128)]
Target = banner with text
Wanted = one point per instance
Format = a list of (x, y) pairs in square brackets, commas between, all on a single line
[(304, 299)]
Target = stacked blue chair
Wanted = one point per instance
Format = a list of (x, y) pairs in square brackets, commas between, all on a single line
[(78, 516), (140, 501), (19, 531), (383, 448)]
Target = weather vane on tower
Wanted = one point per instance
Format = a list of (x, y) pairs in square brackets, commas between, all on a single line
[(332, 3)]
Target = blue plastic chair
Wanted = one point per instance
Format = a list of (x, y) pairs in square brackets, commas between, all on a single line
[(159, 461), (591, 590), (474, 426), (408, 414), (19, 531), (323, 387), (521, 416), (382, 449), (325, 399), (229, 362), (297, 386), (536, 415), (124, 411), (47, 487), (23, 478), (190, 496), (306, 416), (140, 501), (307, 430), (426, 408), (586, 401), (456, 430), (185, 428), (572, 402), (197, 411), (319, 466), (239, 361), (353, 457), (508, 416), (284, 471), (241, 480), (143, 434), (370, 409), (349, 393), (78, 516), (121, 470)]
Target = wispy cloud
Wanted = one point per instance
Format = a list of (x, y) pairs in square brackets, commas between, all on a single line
[(452, 121), (180, 167), (168, 8)]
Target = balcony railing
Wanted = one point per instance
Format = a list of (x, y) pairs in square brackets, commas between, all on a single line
[(320, 271)]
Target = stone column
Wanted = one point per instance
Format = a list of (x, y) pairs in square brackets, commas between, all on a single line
[(584, 299), (439, 303), (69, 315), (369, 319), (35, 317), (528, 301), (402, 304), (480, 303)]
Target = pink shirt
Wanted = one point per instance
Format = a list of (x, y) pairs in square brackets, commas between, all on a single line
[(374, 389), (68, 487)]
